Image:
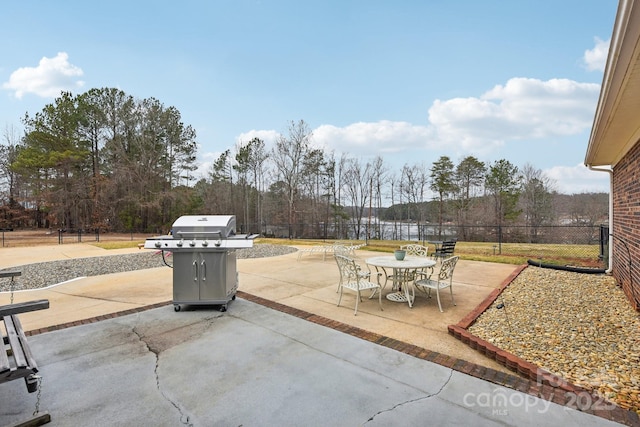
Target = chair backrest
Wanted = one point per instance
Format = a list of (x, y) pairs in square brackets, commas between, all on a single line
[(448, 246), (342, 250), (348, 268), (415, 250), (446, 270)]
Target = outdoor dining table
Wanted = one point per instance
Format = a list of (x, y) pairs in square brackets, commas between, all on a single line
[(401, 269)]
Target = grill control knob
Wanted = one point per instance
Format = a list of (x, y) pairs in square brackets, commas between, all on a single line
[(158, 244), (180, 243), (192, 243), (205, 243)]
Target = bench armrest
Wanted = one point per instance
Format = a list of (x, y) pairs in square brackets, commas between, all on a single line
[(11, 274), (23, 307)]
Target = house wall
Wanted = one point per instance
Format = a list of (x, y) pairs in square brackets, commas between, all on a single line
[(626, 225)]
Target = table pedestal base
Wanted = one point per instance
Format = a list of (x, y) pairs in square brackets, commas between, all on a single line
[(401, 296), (397, 297)]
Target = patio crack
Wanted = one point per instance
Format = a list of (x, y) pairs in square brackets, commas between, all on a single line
[(429, 396), (184, 418)]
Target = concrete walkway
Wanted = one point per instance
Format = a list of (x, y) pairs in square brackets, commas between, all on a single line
[(254, 365)]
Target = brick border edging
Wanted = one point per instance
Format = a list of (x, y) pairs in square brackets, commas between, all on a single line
[(542, 383), (524, 384), (96, 319)]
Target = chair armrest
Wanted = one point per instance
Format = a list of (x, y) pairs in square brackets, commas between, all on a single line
[(371, 273), (363, 272), (425, 274), (23, 307)]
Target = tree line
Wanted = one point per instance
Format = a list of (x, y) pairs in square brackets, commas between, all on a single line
[(106, 160)]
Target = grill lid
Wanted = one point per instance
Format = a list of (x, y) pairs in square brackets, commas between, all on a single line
[(202, 232), (203, 226)]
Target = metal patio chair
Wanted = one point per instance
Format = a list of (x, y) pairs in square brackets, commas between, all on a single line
[(415, 250), (418, 250), (349, 252), (352, 278), (445, 250), (442, 281)]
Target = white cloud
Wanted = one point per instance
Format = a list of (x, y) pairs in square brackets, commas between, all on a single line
[(47, 80), (578, 179), (595, 59), (372, 138), (522, 109), (268, 136)]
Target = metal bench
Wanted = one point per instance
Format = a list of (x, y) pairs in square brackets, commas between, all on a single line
[(16, 359)]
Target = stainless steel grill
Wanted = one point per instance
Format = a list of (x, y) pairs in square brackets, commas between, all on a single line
[(204, 258)]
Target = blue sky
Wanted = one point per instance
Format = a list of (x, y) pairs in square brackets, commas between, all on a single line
[(408, 80)]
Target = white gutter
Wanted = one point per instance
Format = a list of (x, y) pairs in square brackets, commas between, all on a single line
[(610, 171)]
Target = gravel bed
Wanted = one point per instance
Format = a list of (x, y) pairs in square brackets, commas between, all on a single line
[(43, 274), (580, 327)]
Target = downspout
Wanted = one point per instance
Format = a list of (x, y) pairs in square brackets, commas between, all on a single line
[(610, 244)]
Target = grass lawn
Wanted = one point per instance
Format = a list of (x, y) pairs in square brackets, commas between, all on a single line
[(507, 253)]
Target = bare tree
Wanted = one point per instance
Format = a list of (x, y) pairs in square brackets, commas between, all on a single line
[(288, 156), (588, 208), (257, 159), (378, 180), (358, 189), (340, 215), (395, 194), (219, 197), (536, 200), (315, 183), (414, 187), (11, 212)]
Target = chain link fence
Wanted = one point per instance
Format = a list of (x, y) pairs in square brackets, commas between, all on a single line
[(580, 245), (16, 237), (574, 245)]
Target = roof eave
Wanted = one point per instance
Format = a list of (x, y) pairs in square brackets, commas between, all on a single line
[(611, 136)]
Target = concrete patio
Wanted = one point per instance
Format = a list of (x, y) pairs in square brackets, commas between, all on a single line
[(98, 344), (308, 283)]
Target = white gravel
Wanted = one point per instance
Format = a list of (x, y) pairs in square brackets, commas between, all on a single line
[(43, 274)]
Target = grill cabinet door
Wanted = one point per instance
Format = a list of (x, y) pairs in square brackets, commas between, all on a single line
[(186, 277), (204, 277), (217, 276)]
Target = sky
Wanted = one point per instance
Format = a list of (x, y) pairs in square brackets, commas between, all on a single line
[(406, 80)]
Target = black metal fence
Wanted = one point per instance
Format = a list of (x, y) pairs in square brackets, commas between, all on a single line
[(577, 245), (13, 237)]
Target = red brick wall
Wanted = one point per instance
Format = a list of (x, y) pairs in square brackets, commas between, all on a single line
[(626, 225)]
